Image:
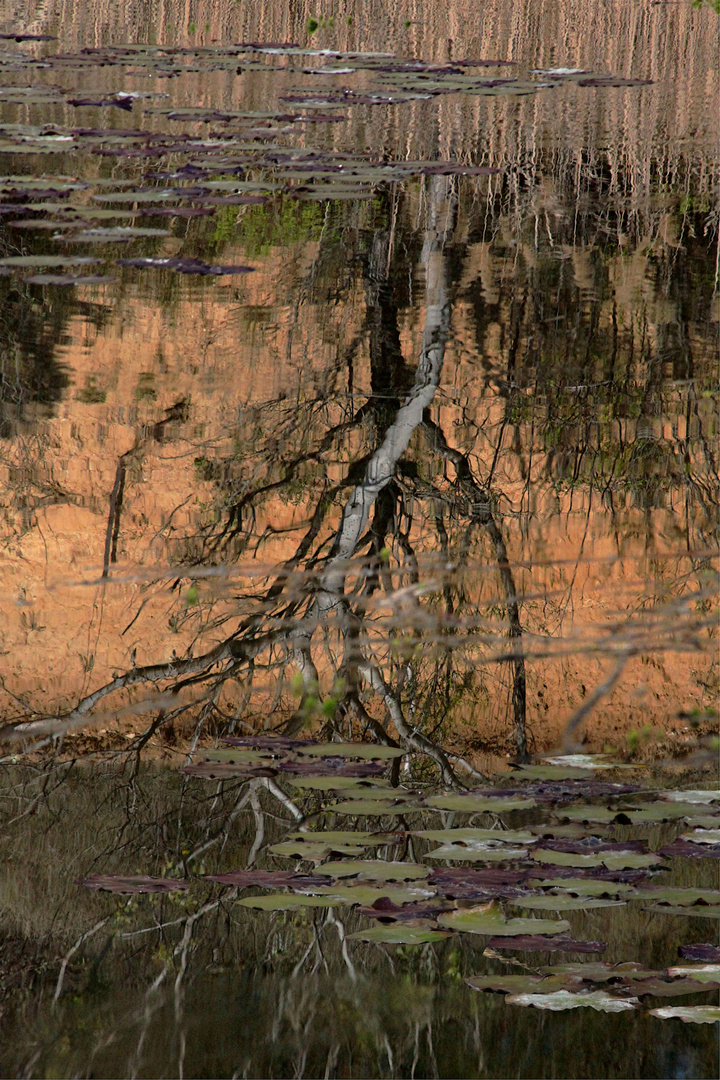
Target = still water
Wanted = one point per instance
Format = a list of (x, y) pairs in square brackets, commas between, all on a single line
[(358, 385)]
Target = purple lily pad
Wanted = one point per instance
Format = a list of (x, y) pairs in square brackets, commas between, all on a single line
[(184, 266), (687, 850), (332, 767), (268, 879), (613, 80), (223, 770), (281, 743), (129, 886), (385, 910), (537, 943), (705, 953), (596, 873), (119, 103)]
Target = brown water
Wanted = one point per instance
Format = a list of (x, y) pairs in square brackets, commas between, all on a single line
[(436, 466)]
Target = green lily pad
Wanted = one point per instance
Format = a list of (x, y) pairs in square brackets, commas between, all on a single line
[(453, 836), (602, 814), (613, 860), (241, 755), (696, 911), (113, 235), (476, 804), (550, 772), (291, 849), (366, 895), (601, 970), (48, 260), (564, 999), (375, 870), (399, 934), (367, 751), (347, 836), (489, 919), (374, 808), (582, 886), (702, 836), (560, 902), (287, 902), (702, 973), (692, 797), (586, 761), (520, 984), (479, 852), (662, 811), (696, 1014), (679, 896)]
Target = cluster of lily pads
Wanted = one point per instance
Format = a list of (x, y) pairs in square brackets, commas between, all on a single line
[(478, 879), (247, 157)]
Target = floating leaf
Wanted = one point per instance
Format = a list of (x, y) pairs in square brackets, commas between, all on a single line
[(453, 836), (315, 852), (48, 260), (519, 984), (680, 896), (583, 886), (697, 1014), (539, 943), (702, 973), (285, 902), (601, 971), (188, 266), (267, 879), (684, 849), (373, 808), (352, 786), (398, 934), (369, 751), (705, 952), (347, 836), (481, 851), (476, 804), (68, 279), (376, 870), (118, 234), (565, 902), (489, 919), (564, 999), (130, 886), (386, 909), (613, 860), (364, 894)]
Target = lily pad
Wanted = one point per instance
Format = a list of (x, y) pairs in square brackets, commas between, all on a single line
[(702, 973), (682, 897), (540, 943), (69, 279), (696, 1014), (375, 870), (454, 836), (314, 852), (130, 886), (684, 849), (366, 894), (561, 1000), (601, 970), (398, 934), (374, 808), (583, 886), (613, 860), (352, 786), (477, 804), (519, 984), (368, 751), (482, 851), (489, 919), (287, 902), (267, 879), (565, 902), (347, 836), (693, 797), (49, 260), (704, 951)]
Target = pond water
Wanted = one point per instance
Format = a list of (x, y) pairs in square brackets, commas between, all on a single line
[(359, 385)]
